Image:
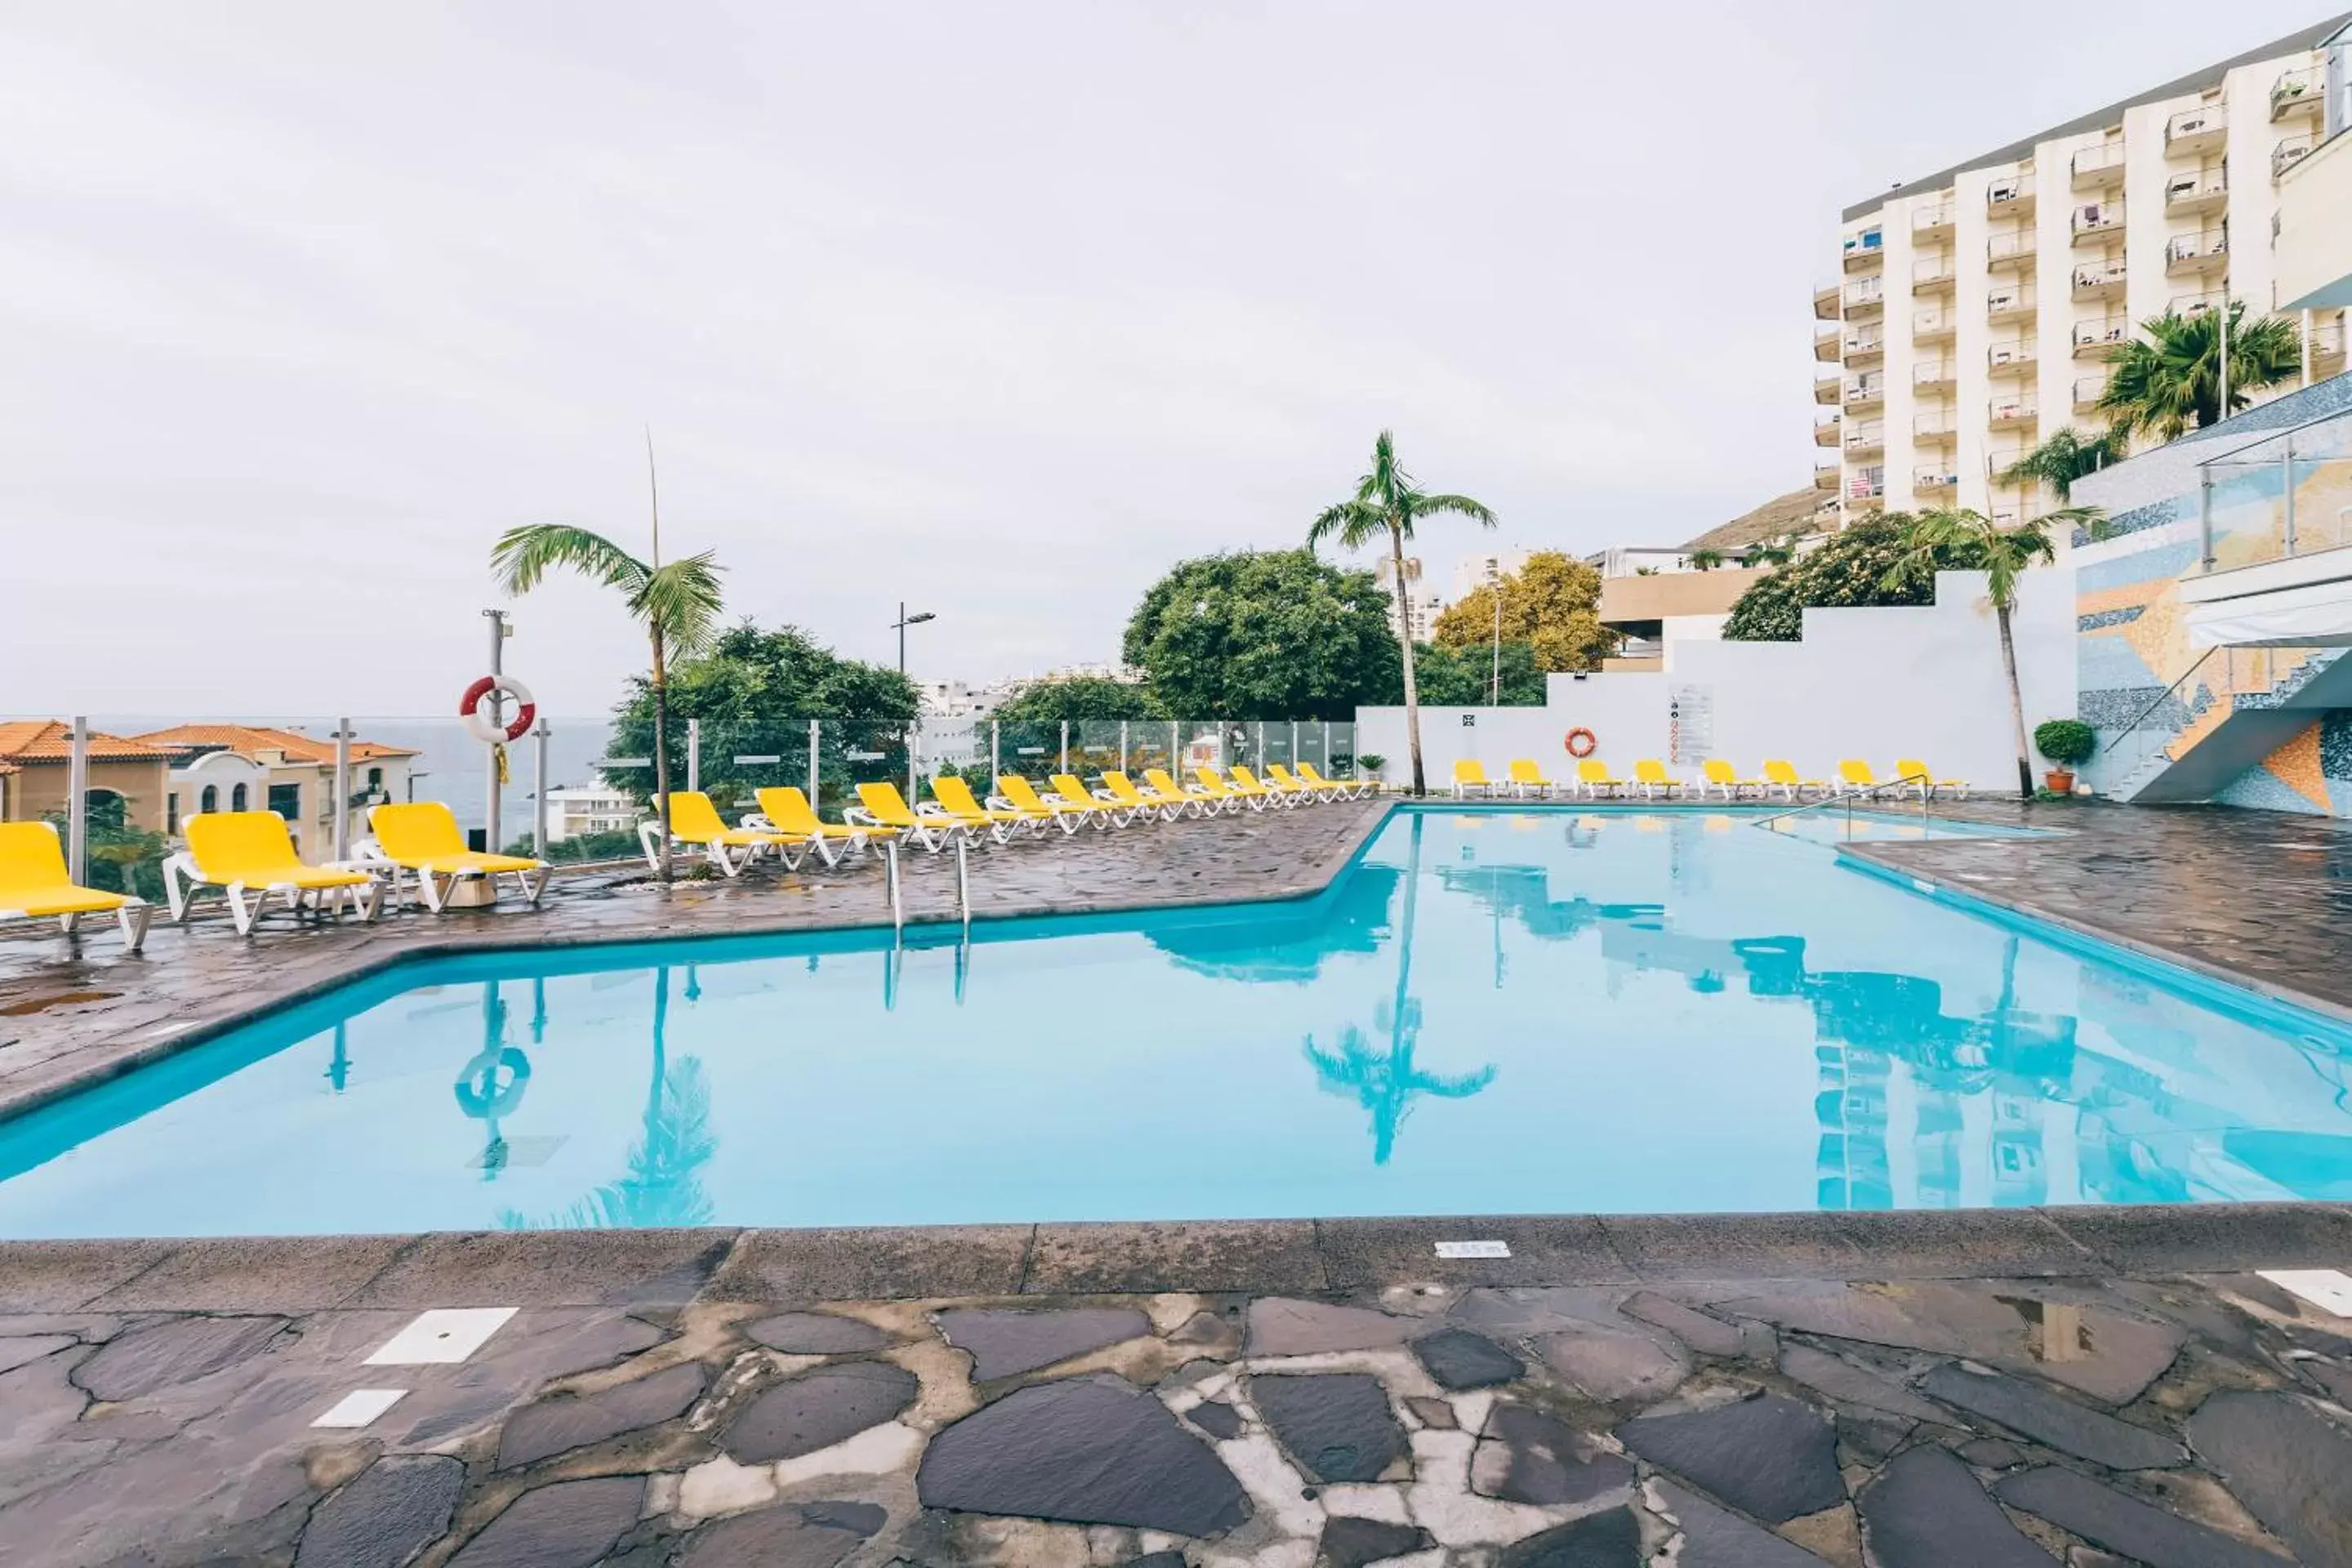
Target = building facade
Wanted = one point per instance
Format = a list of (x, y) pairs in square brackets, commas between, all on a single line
[(1472, 572), (283, 771), (1976, 307), (1417, 607), (575, 811), (35, 763)]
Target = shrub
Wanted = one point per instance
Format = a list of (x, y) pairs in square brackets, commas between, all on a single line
[(2065, 742)]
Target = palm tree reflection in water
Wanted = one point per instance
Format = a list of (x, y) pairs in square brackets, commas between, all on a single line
[(664, 1185), (1385, 1082)]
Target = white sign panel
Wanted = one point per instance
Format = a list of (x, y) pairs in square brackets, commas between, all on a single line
[(1690, 724)]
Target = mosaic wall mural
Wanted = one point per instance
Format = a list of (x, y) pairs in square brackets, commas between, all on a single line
[(2312, 772)]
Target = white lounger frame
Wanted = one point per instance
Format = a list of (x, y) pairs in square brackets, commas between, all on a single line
[(181, 869), (368, 856), (133, 915)]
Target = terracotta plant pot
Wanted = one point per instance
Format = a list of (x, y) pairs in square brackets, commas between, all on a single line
[(2058, 781)]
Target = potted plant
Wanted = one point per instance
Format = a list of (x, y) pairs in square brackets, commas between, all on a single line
[(2063, 742), (1371, 764)]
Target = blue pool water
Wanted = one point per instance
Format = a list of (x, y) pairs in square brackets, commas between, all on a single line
[(1539, 1010)]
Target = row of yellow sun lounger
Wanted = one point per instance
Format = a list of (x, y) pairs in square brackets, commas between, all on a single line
[(1718, 778)]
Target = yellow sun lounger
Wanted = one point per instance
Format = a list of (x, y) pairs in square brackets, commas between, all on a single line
[(1528, 779), (1651, 775), (1592, 776), (784, 809), (1470, 778), (1209, 802), (1721, 775), (1282, 781), (1122, 790), (955, 799), (1106, 805), (1249, 787), (881, 806), (422, 838), (696, 823), (34, 884), (1348, 789), (251, 852), (1226, 795), (1912, 773), (1854, 774), (1783, 776), (1020, 794)]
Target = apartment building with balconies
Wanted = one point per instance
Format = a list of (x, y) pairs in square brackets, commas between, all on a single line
[(1976, 307)]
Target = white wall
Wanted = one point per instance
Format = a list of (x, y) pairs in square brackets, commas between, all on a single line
[(1923, 682)]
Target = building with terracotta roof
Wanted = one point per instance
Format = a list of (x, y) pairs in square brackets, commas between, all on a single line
[(254, 767), (35, 757)]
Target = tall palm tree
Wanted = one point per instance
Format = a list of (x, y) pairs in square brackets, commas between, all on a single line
[(677, 604), (2066, 457), (1974, 541), (2170, 380), (1387, 504)]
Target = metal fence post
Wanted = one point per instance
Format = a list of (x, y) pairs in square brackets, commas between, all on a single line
[(693, 757), (538, 788), (343, 791), (1122, 747), (1066, 745), (995, 751), (813, 780), (77, 802), (1260, 758), (1294, 743), (2289, 492), (2204, 520), (1175, 745), (914, 746)]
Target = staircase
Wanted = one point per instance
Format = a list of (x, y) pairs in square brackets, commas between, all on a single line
[(2230, 710)]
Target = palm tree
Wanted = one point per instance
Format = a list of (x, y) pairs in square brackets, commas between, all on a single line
[(1705, 560), (1772, 552), (678, 604), (1971, 540), (2170, 381), (2064, 458), (1387, 502)]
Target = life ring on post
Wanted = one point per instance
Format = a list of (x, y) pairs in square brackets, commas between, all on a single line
[(1581, 742), (481, 728)]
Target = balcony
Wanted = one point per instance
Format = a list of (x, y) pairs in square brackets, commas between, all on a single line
[(1865, 391), (2099, 279), (1932, 274), (2089, 390), (1864, 250), (1932, 375), (2097, 338), (1825, 303), (2011, 413), (1867, 439), (1825, 476), (2197, 130), (2195, 254), (2093, 218), (2290, 153), (1940, 477), (2014, 357), (1932, 223), (1825, 431), (2200, 191), (2196, 304), (2001, 462), (1826, 344), (2011, 195), (1826, 388), (1935, 426), (1867, 484), (2097, 168), (1864, 296), (1931, 325), (2010, 250), (2011, 305), (1865, 341), (2298, 92), (2328, 344)]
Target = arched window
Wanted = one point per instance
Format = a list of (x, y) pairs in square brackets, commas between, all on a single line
[(105, 809), (211, 798), (236, 798)]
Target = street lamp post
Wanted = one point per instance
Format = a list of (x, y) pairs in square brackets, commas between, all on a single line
[(902, 623)]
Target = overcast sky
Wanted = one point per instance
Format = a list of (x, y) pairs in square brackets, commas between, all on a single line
[(1000, 308)]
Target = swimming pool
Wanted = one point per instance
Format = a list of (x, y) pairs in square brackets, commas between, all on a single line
[(1537, 1010)]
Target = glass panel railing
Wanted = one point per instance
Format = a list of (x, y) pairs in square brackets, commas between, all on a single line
[(1095, 747), (2285, 495), (851, 751), (1031, 749)]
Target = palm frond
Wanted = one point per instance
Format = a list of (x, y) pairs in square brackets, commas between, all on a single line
[(525, 555), (1452, 505), (1353, 523), (1387, 480), (684, 601)]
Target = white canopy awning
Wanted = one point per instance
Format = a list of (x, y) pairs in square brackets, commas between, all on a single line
[(2319, 615)]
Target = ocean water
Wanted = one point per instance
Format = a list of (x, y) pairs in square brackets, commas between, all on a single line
[(1494, 1010)]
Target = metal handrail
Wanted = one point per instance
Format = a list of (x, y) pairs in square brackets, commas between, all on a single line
[(1848, 797), (2133, 728)]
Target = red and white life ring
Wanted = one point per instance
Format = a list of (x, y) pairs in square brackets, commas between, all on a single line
[(481, 728), (1581, 742)]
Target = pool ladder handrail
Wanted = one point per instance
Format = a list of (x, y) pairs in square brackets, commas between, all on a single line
[(1848, 797), (892, 887)]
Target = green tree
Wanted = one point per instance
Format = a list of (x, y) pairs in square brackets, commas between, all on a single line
[(1552, 603), (2166, 383), (1264, 635), (1385, 508), (2064, 458), (1970, 540), (1848, 570), (1077, 698), (1463, 677), (1706, 559), (677, 604)]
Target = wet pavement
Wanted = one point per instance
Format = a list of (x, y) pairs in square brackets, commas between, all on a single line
[(697, 1398)]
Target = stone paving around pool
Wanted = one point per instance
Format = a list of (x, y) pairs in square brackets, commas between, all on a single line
[(2178, 1422)]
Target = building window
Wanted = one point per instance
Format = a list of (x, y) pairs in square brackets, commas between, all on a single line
[(238, 798), (105, 810), (286, 800), (210, 799)]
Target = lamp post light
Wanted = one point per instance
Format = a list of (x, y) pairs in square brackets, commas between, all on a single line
[(902, 623)]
